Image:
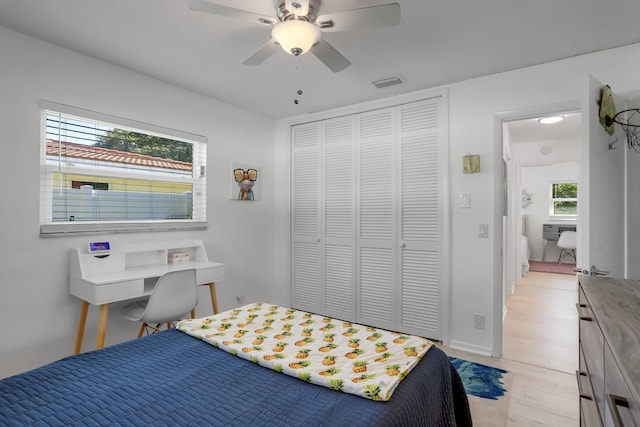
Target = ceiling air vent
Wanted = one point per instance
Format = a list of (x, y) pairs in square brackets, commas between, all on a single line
[(387, 81)]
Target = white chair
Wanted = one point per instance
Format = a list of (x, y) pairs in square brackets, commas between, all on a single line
[(173, 297), (567, 244)]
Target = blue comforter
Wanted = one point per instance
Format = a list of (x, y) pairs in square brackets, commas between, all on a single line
[(172, 379)]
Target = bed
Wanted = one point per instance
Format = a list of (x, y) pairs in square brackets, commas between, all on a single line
[(173, 378)]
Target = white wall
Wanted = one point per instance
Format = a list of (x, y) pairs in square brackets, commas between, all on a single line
[(633, 199), (33, 270), (633, 208), (536, 179), (37, 314), (476, 108)]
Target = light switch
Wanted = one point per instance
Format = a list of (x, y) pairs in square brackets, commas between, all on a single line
[(483, 230), (465, 201)]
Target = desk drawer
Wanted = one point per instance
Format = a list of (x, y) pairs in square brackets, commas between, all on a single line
[(550, 232), (113, 292), (211, 274)]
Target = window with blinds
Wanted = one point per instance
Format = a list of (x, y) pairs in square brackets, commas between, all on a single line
[(102, 173)]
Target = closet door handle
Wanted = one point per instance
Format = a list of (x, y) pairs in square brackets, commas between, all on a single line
[(402, 245), (614, 402)]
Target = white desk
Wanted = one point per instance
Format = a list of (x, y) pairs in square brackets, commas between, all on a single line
[(130, 272)]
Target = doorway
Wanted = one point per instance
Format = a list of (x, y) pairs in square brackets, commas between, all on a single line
[(536, 155)]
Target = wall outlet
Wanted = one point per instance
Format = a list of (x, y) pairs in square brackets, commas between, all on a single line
[(478, 321)]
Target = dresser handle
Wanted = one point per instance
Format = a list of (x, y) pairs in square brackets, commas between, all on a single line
[(588, 318), (580, 393), (614, 402)]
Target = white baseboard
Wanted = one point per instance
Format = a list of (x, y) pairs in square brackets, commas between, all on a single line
[(471, 348)]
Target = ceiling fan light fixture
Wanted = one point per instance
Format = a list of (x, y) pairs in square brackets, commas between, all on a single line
[(296, 36), (550, 120)]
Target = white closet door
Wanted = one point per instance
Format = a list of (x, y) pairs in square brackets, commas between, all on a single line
[(376, 228), (420, 226), (306, 271), (338, 241), (368, 209)]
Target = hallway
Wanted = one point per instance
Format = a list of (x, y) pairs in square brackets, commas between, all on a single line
[(540, 349), (541, 325)]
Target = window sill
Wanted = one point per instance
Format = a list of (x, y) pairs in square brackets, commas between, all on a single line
[(557, 218), (68, 228)]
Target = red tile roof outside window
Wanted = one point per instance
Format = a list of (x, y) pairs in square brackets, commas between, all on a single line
[(89, 152)]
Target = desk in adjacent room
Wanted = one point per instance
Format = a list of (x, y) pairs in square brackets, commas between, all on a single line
[(552, 232), (131, 272)]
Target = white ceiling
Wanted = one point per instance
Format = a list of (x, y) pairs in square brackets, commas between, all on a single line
[(531, 130), (437, 42)]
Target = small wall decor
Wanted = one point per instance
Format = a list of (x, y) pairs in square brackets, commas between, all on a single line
[(471, 163), (607, 110), (244, 182)]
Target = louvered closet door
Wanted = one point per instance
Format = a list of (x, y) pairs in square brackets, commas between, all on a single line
[(338, 234), (376, 227), (306, 271), (420, 229), (367, 211)]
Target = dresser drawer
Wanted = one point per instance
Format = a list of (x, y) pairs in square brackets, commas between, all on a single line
[(620, 408), (609, 312), (589, 415), (592, 346)]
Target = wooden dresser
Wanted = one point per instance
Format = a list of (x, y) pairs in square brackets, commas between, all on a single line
[(609, 374)]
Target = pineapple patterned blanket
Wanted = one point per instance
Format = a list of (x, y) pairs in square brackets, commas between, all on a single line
[(344, 356)]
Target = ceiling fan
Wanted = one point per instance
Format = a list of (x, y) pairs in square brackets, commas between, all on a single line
[(298, 27)]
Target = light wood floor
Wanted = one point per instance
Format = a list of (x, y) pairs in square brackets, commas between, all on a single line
[(540, 348)]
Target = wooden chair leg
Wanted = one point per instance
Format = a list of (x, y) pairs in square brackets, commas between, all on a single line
[(141, 330)]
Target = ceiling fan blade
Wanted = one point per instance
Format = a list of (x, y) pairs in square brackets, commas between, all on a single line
[(265, 51), (329, 56), (367, 17), (231, 12)]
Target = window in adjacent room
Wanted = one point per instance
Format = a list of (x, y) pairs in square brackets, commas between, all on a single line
[(104, 173), (564, 200)]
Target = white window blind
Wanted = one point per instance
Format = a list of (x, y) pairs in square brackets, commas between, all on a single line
[(101, 173)]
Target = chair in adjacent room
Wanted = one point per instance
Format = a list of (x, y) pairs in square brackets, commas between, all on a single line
[(567, 243), (174, 296)]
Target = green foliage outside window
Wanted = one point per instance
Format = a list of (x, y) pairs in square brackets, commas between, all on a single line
[(149, 145), (564, 198)]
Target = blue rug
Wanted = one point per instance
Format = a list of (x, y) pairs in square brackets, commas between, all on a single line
[(480, 380)]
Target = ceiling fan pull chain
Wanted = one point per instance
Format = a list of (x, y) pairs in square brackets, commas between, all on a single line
[(298, 81)]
